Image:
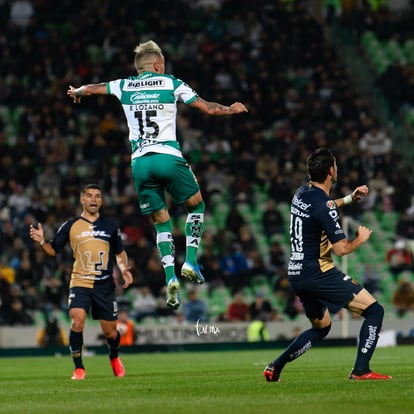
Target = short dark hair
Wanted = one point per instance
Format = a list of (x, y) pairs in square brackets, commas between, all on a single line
[(318, 164), (90, 187)]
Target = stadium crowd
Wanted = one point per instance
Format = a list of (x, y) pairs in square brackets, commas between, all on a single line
[(274, 58)]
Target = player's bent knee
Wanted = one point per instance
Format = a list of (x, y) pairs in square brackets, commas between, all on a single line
[(324, 331), (77, 326), (197, 208), (320, 333), (375, 309)]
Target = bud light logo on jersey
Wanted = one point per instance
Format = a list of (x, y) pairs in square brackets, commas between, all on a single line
[(150, 83)]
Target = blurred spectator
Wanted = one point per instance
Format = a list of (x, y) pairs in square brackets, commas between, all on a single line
[(405, 226), (266, 170), (122, 295), (54, 292), (399, 259), (144, 304), (377, 144), (216, 181), (138, 254), (16, 314), (154, 276), (42, 267), (32, 301), (21, 12), (178, 319), (281, 287), (401, 198), (256, 264), (26, 171), (242, 191), (126, 328), (234, 268), (371, 280), (272, 220), (5, 294), (277, 259), (257, 331), (392, 83), (381, 190), (21, 240), (48, 183), (293, 306), (221, 241), (195, 309), (238, 310), (217, 147), (39, 207), (403, 298), (18, 202), (261, 309), (131, 224), (280, 189), (7, 272), (246, 239), (234, 221), (52, 334), (180, 244), (211, 270)]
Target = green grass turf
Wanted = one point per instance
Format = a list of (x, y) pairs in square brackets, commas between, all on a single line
[(209, 382)]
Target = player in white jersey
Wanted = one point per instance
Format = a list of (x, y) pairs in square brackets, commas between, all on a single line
[(149, 101)]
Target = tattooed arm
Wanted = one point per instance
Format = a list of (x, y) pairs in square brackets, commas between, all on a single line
[(214, 108), (91, 89)]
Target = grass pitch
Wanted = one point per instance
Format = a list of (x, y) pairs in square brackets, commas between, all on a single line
[(209, 382)]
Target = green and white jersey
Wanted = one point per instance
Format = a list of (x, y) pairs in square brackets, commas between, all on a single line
[(149, 102)]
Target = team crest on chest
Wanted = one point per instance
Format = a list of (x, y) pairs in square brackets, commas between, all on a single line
[(331, 204)]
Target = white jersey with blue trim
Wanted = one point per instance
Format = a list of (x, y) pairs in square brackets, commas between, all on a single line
[(149, 102)]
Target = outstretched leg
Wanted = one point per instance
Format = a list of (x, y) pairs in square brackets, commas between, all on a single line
[(296, 348), (194, 228), (368, 338), (166, 247)]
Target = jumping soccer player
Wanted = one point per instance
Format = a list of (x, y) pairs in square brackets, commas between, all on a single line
[(149, 101)]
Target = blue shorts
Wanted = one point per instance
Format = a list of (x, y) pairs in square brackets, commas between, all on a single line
[(101, 301), (331, 290)]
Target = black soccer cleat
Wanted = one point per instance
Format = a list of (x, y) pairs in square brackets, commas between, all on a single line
[(270, 373)]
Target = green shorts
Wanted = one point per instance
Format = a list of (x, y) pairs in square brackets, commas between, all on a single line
[(155, 174)]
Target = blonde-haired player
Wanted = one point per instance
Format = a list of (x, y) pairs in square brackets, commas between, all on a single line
[(149, 101)]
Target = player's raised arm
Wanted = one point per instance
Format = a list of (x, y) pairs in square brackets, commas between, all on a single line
[(214, 108), (37, 235), (84, 90), (356, 195)]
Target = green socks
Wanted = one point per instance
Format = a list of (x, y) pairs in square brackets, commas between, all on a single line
[(165, 244), (194, 227)]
